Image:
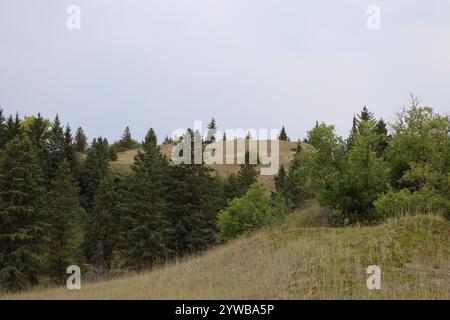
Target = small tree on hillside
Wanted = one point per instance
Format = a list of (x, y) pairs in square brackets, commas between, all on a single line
[(283, 136), (248, 173), (126, 142), (212, 131)]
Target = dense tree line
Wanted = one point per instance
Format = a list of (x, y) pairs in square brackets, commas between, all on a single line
[(374, 173), (61, 204)]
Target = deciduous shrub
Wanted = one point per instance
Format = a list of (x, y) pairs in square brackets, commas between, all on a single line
[(251, 211)]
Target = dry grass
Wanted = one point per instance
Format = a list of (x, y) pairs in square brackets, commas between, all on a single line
[(286, 152), (291, 261)]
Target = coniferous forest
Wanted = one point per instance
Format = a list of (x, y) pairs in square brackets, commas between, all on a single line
[(62, 204)]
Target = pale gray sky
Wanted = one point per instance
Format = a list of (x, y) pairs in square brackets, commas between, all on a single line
[(248, 63)]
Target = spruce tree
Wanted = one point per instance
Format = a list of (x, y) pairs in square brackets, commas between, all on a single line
[(281, 181), (13, 128), (145, 208), (95, 167), (3, 132), (63, 212), (212, 131), (21, 217), (80, 140), (126, 142), (248, 173), (195, 198), (103, 223), (56, 147), (70, 152), (382, 140), (283, 136)]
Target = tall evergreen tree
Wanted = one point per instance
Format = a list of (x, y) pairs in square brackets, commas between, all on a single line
[(63, 212), (56, 147), (382, 140), (21, 217), (145, 209), (13, 128), (70, 152), (3, 132), (103, 223), (195, 198), (80, 140), (95, 167), (281, 181)]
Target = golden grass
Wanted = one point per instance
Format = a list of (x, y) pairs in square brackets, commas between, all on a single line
[(291, 261)]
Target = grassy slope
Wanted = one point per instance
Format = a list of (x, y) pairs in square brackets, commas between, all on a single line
[(297, 259)]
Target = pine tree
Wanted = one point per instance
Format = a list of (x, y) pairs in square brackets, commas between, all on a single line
[(145, 209), (70, 152), (212, 131), (194, 200), (95, 167), (167, 140), (13, 128), (63, 212), (56, 147), (126, 142), (3, 132), (248, 173), (382, 140), (281, 181), (365, 121), (21, 226), (283, 136), (103, 223), (80, 140), (232, 187)]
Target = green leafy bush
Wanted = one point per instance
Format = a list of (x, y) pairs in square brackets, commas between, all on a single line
[(405, 202), (251, 211)]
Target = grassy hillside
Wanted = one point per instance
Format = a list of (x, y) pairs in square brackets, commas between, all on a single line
[(299, 258), (287, 151)]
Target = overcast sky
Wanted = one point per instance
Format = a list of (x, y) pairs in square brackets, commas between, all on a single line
[(248, 63)]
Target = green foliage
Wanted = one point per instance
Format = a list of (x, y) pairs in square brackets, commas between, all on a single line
[(103, 223), (95, 167), (405, 202), (127, 142), (145, 208), (363, 179), (420, 136), (251, 211), (80, 140), (283, 136), (195, 198), (63, 213), (3, 133), (21, 217), (13, 128), (232, 187), (248, 173), (212, 131)]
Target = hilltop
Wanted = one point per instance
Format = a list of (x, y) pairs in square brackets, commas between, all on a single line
[(287, 150)]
